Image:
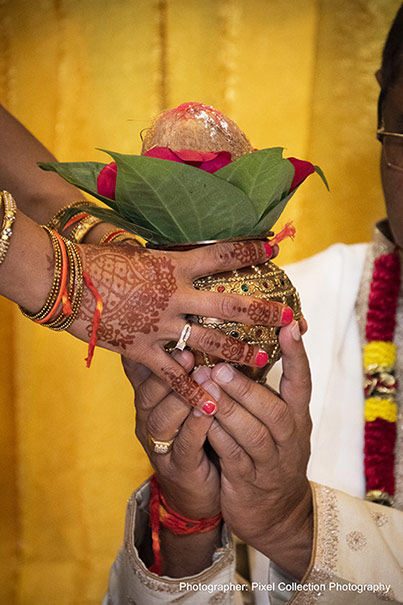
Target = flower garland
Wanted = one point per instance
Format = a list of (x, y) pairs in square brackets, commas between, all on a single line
[(379, 380)]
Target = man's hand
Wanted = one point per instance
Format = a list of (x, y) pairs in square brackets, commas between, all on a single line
[(188, 479), (263, 443)]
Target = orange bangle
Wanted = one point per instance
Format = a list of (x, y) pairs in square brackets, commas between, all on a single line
[(63, 281), (75, 219)]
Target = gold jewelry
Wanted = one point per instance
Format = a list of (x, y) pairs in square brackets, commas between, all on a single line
[(184, 337), (82, 227), (10, 211), (120, 236), (379, 497), (56, 220), (50, 301), (75, 291), (160, 447)]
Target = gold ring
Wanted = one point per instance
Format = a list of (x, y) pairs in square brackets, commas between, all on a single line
[(183, 338), (160, 447)]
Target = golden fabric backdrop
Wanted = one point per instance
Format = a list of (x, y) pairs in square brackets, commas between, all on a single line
[(83, 74)]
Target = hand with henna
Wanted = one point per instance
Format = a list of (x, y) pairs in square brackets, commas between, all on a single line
[(147, 294), (189, 481)]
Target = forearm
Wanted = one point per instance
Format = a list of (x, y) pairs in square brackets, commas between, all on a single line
[(27, 271), (188, 555)]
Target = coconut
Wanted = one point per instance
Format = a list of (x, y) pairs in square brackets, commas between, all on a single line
[(198, 127)]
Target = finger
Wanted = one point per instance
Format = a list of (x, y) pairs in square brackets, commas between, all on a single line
[(234, 460), (179, 381), (259, 401), (303, 325), (135, 372), (154, 389), (245, 428), (295, 385), (188, 449), (238, 307), (209, 340), (226, 256), (166, 418)]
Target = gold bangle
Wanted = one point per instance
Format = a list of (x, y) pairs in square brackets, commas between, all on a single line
[(50, 301), (10, 211), (75, 291), (56, 220), (83, 227), (115, 236)]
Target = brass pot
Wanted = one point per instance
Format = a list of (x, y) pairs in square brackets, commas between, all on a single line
[(265, 281)]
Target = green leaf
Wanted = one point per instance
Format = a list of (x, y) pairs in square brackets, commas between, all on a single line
[(320, 172), (264, 176), (182, 202), (110, 216), (80, 174)]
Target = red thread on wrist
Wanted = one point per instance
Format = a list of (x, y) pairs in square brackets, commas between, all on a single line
[(96, 319), (162, 514)]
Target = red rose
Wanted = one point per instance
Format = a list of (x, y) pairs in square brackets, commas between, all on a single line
[(302, 170), (209, 161)]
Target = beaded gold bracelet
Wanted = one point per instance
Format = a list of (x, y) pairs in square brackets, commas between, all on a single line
[(10, 211), (48, 304)]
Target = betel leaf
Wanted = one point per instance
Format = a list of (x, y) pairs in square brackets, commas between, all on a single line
[(110, 216), (183, 202), (80, 174), (84, 175), (264, 176)]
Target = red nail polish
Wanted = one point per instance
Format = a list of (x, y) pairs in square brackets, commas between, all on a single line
[(268, 249), (209, 408), (287, 316), (261, 359)]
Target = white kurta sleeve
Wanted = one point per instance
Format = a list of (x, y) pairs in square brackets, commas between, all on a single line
[(131, 583), (357, 555)]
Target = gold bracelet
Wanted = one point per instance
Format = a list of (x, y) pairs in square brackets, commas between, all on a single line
[(56, 220), (117, 236), (50, 301), (83, 227), (75, 291), (10, 211)]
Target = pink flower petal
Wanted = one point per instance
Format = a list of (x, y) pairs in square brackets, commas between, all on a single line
[(163, 153), (106, 181), (209, 161), (302, 170)]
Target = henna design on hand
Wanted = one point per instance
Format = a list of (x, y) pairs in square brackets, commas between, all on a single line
[(234, 350), (264, 313), (135, 287), (185, 386), (247, 252)]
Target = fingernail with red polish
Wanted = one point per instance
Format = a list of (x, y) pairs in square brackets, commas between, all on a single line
[(209, 408), (261, 358), (268, 249), (287, 316)]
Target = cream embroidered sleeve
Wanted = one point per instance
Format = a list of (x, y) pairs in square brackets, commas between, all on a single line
[(358, 554), (130, 582)]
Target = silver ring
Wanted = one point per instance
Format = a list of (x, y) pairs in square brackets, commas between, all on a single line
[(184, 337), (160, 447)]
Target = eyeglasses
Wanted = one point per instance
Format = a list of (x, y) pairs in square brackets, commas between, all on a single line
[(392, 148)]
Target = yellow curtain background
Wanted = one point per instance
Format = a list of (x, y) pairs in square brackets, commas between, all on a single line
[(83, 74)]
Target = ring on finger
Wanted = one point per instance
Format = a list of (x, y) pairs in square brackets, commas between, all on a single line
[(184, 337), (160, 447)]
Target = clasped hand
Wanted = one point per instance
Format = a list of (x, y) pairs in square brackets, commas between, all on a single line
[(262, 440)]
